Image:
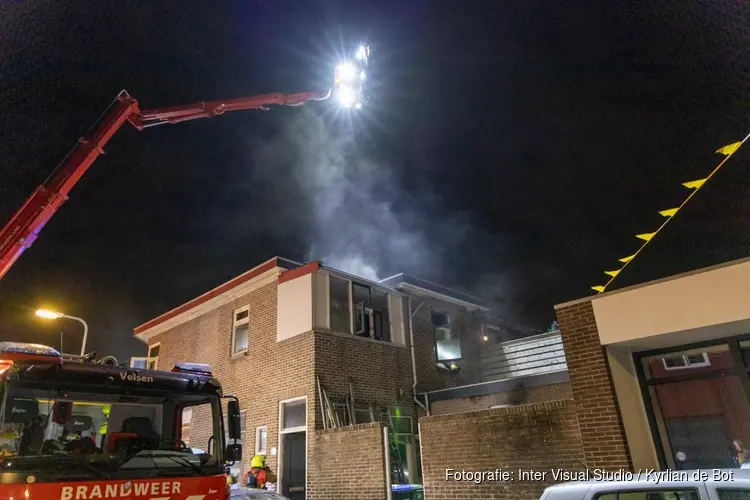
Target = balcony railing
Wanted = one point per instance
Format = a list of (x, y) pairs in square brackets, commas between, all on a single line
[(528, 356)]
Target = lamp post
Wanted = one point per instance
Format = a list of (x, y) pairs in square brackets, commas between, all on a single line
[(45, 313)]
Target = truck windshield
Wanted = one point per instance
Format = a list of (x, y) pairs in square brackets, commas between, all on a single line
[(108, 435)]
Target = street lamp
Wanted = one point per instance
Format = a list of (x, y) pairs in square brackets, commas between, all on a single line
[(47, 314)]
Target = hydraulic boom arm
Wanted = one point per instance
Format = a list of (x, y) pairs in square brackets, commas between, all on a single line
[(24, 227)]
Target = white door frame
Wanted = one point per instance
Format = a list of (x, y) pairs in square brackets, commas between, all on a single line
[(280, 454)]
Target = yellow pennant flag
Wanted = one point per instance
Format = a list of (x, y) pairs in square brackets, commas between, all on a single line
[(612, 273), (645, 236), (627, 259), (668, 213), (598, 288), (730, 149), (694, 184)]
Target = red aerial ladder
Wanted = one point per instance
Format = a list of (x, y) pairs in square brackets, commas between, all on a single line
[(24, 227)]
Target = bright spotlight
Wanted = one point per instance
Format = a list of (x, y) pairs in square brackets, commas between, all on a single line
[(350, 75), (347, 96), (346, 72)]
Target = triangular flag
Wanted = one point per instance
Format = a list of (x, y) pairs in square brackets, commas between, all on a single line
[(645, 236), (598, 288), (612, 273), (669, 213), (627, 259), (730, 149), (694, 184)]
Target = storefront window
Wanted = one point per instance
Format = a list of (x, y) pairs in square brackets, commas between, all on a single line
[(699, 408)]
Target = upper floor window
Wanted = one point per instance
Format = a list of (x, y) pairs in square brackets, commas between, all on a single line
[(240, 328), (447, 338), (686, 361), (359, 309)]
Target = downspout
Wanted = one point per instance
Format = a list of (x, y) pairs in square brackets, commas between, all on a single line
[(414, 357)]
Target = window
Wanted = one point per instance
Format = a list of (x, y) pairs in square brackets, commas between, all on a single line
[(361, 299), (187, 417), (294, 415), (362, 414), (138, 363), (359, 307), (152, 362), (650, 495), (447, 340), (733, 494), (340, 310), (240, 328), (261, 440), (686, 361)]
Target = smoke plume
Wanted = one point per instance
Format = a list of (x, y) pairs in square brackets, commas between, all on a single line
[(352, 213), (348, 200)]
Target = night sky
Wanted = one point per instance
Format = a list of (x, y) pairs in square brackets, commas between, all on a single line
[(511, 149)]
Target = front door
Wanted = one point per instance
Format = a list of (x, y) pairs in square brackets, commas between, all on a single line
[(295, 466)]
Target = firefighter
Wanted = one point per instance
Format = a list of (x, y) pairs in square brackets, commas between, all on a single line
[(259, 475)]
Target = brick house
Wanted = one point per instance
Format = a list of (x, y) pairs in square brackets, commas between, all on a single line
[(309, 349), (660, 372)]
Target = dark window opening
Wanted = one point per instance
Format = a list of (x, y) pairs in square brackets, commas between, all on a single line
[(340, 310)]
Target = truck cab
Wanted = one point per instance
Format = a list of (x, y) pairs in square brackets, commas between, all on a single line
[(76, 429)]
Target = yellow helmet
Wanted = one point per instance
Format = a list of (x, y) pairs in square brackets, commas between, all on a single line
[(258, 461)]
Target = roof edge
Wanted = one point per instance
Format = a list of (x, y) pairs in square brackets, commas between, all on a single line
[(645, 284), (224, 287)]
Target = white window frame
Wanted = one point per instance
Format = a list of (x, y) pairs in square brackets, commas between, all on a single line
[(258, 430), (138, 358), (282, 431), (155, 359), (706, 362), (235, 324), (301, 428)]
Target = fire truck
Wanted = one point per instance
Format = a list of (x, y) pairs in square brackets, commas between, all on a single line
[(81, 429), (25, 225)]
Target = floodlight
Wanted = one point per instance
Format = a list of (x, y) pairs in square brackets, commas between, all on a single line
[(346, 72), (347, 96)]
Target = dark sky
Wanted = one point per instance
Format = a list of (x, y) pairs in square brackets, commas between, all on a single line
[(510, 148)]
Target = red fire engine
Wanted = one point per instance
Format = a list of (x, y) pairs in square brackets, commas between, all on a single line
[(80, 430)]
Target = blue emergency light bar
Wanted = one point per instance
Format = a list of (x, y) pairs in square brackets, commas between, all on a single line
[(30, 349), (198, 368)]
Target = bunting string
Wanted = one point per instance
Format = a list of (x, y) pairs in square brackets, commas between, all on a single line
[(669, 213)]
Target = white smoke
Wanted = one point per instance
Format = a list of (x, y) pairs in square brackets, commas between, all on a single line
[(313, 171)]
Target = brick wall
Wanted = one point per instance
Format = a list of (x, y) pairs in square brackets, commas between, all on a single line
[(269, 373), (349, 463), (429, 378), (599, 417), (380, 372), (552, 392), (540, 436)]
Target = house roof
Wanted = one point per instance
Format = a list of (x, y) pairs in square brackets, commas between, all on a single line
[(281, 269), (412, 284), (257, 271)]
